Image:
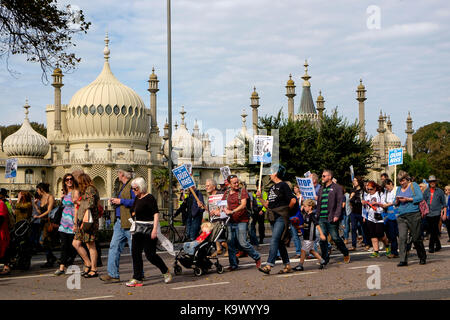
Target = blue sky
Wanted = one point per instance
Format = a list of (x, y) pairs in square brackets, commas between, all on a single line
[(222, 48)]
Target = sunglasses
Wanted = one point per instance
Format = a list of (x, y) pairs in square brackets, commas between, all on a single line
[(69, 179), (370, 189), (135, 189)]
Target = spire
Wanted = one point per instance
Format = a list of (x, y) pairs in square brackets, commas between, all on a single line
[(306, 77), (106, 50), (389, 124), (182, 112), (320, 104), (26, 106), (244, 115)]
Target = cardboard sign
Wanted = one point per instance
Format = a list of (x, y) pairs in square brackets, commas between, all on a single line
[(188, 166), (183, 177), (262, 149), (307, 174), (225, 171), (352, 172), (307, 189), (395, 157), (11, 168)]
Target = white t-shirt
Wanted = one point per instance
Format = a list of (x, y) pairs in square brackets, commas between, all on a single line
[(371, 198)]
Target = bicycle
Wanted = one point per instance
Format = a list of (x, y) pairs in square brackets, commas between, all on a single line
[(171, 233)]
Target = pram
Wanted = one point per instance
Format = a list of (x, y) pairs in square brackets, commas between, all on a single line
[(21, 248), (201, 261)]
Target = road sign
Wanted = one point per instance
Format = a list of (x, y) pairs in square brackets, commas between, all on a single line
[(183, 177), (395, 157)]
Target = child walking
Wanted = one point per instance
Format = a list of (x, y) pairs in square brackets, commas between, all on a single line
[(310, 224)]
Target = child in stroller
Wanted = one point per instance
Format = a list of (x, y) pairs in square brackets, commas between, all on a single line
[(197, 254)]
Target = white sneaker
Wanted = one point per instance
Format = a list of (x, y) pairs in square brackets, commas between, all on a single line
[(167, 277), (134, 283)]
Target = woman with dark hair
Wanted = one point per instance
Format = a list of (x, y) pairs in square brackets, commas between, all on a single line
[(48, 233), (88, 205), (66, 227), (280, 200), (374, 202), (24, 207), (356, 218)]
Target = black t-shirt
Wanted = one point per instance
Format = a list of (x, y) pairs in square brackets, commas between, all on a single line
[(355, 201), (309, 226), (145, 208), (280, 195)]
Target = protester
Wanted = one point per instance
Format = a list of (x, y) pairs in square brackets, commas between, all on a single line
[(24, 207), (189, 247), (280, 201), (238, 224), (4, 239), (390, 218), (407, 198), (194, 214), (122, 203), (66, 227), (145, 212), (310, 224), (292, 229), (356, 218), (329, 210), (435, 199), (446, 216), (214, 214), (49, 234), (36, 229), (258, 216), (346, 215), (373, 202), (383, 177), (87, 205)]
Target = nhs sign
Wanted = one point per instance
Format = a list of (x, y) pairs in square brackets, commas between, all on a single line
[(395, 157)]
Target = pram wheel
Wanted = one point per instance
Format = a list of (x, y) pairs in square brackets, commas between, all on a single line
[(177, 269), (198, 271), (219, 269)]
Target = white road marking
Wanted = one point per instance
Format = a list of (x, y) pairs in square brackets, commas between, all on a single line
[(95, 298), (27, 277), (362, 267), (295, 274), (201, 285)]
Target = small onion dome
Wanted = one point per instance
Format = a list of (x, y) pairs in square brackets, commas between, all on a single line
[(26, 142), (361, 86), (254, 94), (290, 82), (320, 98), (153, 75), (57, 71)]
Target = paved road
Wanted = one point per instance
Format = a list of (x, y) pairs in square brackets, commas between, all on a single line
[(336, 281)]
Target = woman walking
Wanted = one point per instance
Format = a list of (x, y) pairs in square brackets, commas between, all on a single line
[(146, 215), (87, 205), (356, 218), (66, 227), (48, 232), (280, 200), (407, 199)]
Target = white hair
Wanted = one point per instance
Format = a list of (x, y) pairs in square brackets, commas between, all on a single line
[(126, 174), (212, 181), (140, 183)]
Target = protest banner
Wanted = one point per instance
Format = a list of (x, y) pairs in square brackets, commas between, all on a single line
[(395, 157), (185, 179), (307, 189), (11, 168), (262, 152), (225, 171)]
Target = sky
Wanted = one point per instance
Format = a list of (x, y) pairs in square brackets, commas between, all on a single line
[(221, 49)]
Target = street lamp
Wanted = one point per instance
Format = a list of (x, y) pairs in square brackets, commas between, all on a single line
[(169, 106)]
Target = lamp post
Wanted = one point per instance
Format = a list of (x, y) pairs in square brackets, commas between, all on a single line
[(169, 106)]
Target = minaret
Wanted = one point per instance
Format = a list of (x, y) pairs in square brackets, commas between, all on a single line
[(320, 105), (409, 132), (290, 93), (389, 124), (244, 121), (255, 105), (381, 130), (153, 89), (57, 84), (306, 102), (361, 97), (182, 112)]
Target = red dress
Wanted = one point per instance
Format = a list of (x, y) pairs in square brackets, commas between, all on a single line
[(4, 229)]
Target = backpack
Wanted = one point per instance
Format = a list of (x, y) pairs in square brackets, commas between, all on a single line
[(56, 214), (249, 205), (11, 216)]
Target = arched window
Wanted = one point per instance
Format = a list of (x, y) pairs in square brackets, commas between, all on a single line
[(29, 176), (44, 176)]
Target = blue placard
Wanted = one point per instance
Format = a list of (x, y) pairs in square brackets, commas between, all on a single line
[(306, 187), (395, 157), (183, 177)]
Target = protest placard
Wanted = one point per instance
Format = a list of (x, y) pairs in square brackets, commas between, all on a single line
[(183, 177), (11, 168), (307, 189), (262, 149), (225, 171), (395, 157)]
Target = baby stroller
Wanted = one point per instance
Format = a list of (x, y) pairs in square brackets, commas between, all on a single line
[(21, 248), (201, 261)]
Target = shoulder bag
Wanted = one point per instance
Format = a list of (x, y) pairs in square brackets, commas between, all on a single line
[(423, 206)]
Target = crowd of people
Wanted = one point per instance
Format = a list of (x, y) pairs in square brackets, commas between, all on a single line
[(378, 217)]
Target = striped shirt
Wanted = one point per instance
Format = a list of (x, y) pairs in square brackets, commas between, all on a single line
[(324, 202)]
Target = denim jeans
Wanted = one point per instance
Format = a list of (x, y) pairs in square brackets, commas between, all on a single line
[(189, 247), (346, 224), (276, 243), (193, 226), (257, 219), (392, 234), (237, 238), (297, 240), (119, 239), (331, 228), (356, 221)]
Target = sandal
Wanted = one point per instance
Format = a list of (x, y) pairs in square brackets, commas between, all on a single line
[(265, 269), (286, 269), (86, 270), (90, 275)]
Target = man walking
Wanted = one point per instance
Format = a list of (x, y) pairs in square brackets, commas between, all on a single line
[(122, 203), (329, 210)]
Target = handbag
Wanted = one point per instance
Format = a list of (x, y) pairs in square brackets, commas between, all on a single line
[(144, 228), (87, 221), (423, 206)]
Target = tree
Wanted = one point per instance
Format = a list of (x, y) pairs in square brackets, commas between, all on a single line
[(41, 31), (431, 144), (419, 169), (332, 143), (8, 130)]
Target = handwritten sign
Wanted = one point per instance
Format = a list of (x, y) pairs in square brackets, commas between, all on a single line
[(395, 157), (307, 189), (262, 150), (11, 168), (225, 171)]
